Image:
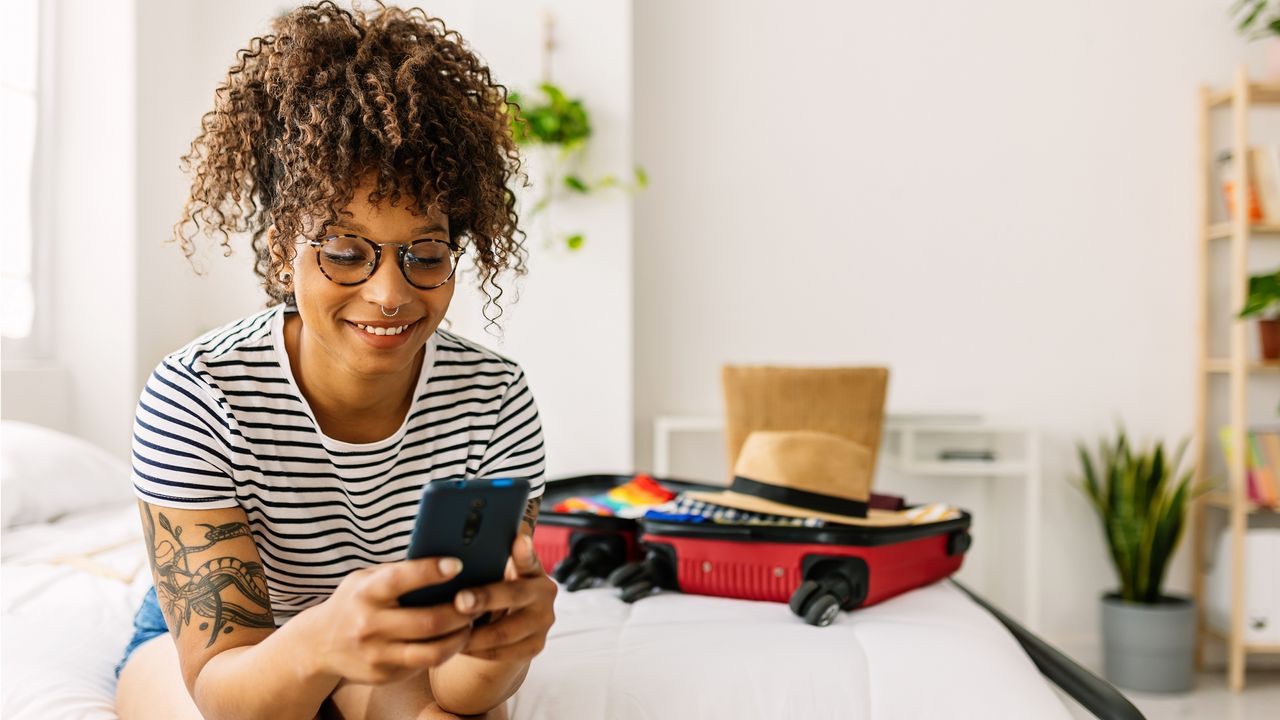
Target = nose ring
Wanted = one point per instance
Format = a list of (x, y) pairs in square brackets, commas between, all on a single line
[(393, 313)]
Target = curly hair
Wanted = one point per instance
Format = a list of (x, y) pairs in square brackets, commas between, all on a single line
[(330, 96)]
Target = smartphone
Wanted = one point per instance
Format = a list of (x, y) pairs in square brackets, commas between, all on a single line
[(475, 521)]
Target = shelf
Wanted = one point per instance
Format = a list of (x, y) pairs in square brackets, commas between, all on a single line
[(891, 426), (1223, 365), (1259, 94), (959, 468), (1242, 95), (1220, 499), (1224, 230)]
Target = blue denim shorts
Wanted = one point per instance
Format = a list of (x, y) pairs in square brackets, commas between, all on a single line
[(148, 622)]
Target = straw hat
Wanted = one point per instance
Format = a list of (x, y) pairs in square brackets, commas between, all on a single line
[(804, 473)]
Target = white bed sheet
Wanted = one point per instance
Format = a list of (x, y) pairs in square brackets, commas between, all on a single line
[(929, 653)]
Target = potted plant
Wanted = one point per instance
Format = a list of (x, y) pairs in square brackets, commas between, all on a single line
[(1264, 302), (1148, 636)]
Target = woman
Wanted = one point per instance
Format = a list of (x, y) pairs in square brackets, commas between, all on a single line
[(278, 460)]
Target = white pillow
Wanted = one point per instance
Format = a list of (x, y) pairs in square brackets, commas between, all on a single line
[(45, 474)]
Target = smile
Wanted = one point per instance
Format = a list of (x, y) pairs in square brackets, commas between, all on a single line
[(380, 330)]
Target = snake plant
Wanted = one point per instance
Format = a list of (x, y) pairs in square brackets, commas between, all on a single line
[(1142, 501)]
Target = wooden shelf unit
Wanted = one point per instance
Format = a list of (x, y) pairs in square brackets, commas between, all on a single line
[(1237, 366)]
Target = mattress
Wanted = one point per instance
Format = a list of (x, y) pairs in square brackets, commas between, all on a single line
[(68, 591)]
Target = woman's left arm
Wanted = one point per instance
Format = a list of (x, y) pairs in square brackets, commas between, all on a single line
[(493, 664)]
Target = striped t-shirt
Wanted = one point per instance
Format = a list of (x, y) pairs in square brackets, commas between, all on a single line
[(221, 423)]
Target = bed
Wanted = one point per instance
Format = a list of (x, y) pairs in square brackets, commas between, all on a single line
[(69, 587)]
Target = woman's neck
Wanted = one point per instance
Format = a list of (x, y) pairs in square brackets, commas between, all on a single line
[(348, 407)]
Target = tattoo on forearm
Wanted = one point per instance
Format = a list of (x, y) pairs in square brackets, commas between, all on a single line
[(531, 513), (183, 591)]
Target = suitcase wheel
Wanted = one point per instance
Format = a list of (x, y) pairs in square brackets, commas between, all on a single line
[(579, 579), (600, 553), (959, 542), (802, 595), (590, 557), (847, 578), (639, 579), (564, 568), (832, 584), (818, 601), (636, 590), (626, 574), (822, 609)]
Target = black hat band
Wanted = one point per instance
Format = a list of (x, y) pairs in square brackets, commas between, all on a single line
[(800, 498)]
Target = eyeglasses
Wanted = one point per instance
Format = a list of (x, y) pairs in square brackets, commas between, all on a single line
[(352, 259)]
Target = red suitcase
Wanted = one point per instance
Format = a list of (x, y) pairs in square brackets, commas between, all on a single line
[(817, 571), (580, 547)]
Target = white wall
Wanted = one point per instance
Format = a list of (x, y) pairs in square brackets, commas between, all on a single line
[(572, 327), (184, 50), (997, 200), (85, 385)]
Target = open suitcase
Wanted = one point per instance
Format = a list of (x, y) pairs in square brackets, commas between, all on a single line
[(818, 571)]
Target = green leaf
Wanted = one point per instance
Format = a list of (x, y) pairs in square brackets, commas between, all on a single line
[(1090, 483), (575, 183), (1258, 7), (554, 94), (575, 241), (1264, 293), (642, 177)]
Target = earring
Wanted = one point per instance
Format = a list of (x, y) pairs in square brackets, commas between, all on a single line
[(286, 277)]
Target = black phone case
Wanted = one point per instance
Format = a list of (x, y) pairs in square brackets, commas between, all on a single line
[(445, 512)]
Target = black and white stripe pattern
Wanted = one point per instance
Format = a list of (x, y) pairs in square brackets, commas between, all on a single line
[(221, 423)]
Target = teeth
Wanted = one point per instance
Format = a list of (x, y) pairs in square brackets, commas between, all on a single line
[(381, 330)]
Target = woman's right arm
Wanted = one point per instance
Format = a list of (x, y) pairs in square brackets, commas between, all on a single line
[(213, 593)]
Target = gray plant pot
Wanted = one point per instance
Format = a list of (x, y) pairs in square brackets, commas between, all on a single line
[(1149, 647)]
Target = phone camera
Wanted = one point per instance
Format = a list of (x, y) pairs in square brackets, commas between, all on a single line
[(471, 527)]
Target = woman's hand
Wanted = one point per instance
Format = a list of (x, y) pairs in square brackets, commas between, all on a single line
[(522, 605), (362, 634)]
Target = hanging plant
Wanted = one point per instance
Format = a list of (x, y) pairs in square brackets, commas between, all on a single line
[(561, 124), (1257, 19)]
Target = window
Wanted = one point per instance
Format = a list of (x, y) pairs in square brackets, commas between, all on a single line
[(19, 99)]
